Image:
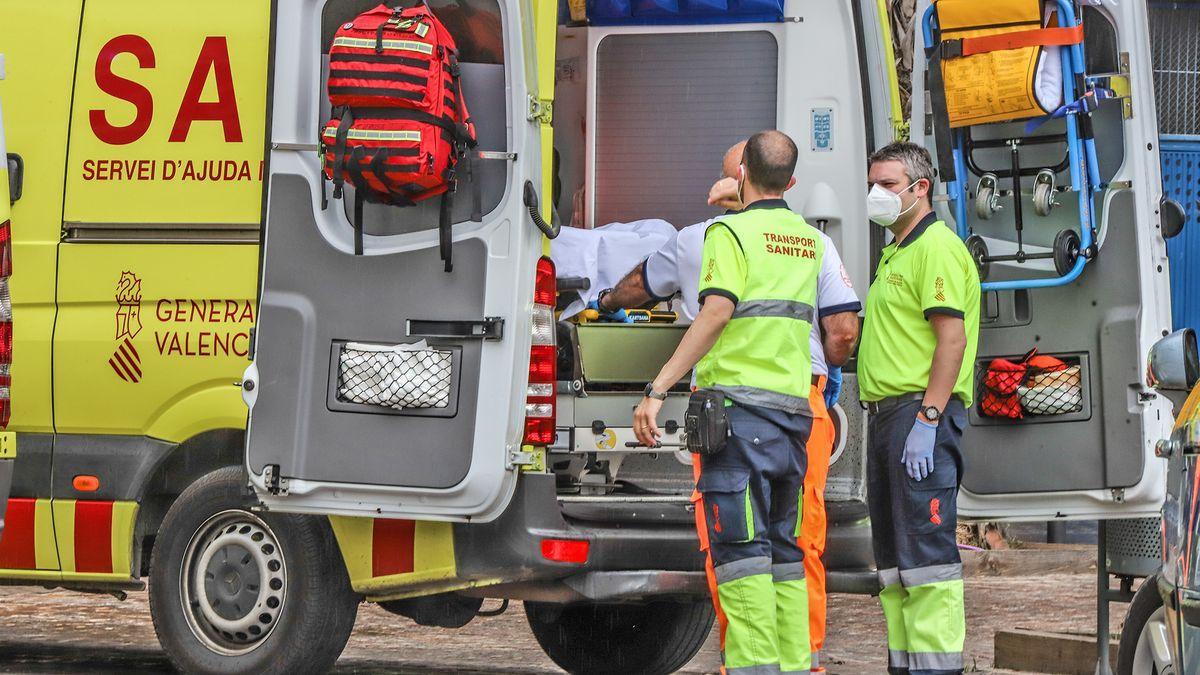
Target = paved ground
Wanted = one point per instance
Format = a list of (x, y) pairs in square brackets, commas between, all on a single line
[(63, 632)]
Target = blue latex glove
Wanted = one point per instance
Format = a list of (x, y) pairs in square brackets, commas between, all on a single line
[(833, 387), (918, 449), (618, 316)]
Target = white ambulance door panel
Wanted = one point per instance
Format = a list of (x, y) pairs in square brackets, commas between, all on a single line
[(313, 444), (1096, 459)]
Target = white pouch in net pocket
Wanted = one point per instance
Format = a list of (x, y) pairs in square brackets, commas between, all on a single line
[(1052, 392), (401, 376)]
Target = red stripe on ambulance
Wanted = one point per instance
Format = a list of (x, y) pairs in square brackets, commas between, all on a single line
[(17, 550), (392, 543), (93, 537)]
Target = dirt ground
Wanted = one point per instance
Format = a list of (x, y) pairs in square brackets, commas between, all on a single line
[(64, 632)]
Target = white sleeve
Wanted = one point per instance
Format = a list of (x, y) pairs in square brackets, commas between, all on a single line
[(835, 293), (661, 270)]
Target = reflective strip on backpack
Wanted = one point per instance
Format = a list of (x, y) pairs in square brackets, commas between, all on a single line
[(395, 45), (377, 135)]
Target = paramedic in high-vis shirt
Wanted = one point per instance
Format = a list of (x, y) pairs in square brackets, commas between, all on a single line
[(750, 342), (675, 269), (915, 374)]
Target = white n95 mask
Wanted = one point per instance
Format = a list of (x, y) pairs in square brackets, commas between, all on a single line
[(883, 205)]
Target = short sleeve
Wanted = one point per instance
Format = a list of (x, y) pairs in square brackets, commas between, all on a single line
[(835, 293), (660, 271), (942, 284), (723, 265)]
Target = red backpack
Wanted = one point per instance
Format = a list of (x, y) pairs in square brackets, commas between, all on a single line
[(400, 124)]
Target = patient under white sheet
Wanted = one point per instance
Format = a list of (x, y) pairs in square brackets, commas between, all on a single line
[(605, 254)]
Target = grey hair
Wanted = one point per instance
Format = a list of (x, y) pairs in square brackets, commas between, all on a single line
[(916, 160)]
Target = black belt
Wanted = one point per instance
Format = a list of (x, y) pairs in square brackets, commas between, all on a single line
[(883, 404)]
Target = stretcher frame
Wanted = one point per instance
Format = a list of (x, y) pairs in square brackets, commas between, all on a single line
[(1081, 160)]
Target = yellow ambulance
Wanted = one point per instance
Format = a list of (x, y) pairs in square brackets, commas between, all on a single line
[(175, 258)]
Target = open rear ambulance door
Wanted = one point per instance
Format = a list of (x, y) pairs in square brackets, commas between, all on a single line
[(1096, 460), (312, 445)]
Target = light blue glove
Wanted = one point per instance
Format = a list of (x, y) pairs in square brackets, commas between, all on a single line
[(833, 387), (618, 316), (918, 449)]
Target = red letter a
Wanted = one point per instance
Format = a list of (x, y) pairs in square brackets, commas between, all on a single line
[(214, 56)]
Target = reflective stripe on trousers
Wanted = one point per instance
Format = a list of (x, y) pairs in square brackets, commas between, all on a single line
[(913, 536), (756, 569)]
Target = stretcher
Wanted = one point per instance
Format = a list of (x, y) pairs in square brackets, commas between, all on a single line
[(992, 64)]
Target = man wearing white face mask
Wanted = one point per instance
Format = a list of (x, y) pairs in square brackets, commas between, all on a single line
[(915, 374)]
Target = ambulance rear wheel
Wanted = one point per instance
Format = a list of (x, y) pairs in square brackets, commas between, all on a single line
[(650, 638), (234, 591)]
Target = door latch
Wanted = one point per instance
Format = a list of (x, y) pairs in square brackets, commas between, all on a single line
[(540, 110), (276, 484)]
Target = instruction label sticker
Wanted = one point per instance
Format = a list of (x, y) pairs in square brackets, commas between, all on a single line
[(822, 129)]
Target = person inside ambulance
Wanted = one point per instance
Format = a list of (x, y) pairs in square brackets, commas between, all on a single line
[(674, 269), (915, 375), (755, 302)]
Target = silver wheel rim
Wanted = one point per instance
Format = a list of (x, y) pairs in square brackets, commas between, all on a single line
[(1153, 652), (232, 583)]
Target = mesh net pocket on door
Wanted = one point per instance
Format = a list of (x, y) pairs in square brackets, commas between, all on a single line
[(395, 376), (1055, 391)]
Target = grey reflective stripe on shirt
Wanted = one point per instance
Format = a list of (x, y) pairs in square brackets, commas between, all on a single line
[(765, 398), (935, 661), (739, 569), (931, 575), (897, 658), (785, 309)]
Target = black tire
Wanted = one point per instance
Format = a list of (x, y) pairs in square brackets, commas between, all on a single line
[(651, 638), (298, 587), (1145, 603)]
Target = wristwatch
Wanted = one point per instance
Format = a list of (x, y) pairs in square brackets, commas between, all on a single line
[(650, 393), (600, 299), (931, 413)]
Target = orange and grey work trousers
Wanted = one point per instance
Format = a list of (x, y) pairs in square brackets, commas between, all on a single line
[(749, 505), (813, 523)]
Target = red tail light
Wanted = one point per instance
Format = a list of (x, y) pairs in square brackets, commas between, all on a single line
[(566, 550), (6, 325), (543, 361)]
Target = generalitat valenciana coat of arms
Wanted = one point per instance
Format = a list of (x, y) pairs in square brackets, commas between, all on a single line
[(125, 361)]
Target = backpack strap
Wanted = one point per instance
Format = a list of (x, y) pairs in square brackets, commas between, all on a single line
[(445, 244), (357, 157), (339, 151)]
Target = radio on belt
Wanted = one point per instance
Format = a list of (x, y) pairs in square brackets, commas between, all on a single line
[(705, 424)]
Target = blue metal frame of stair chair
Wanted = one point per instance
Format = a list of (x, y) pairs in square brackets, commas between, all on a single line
[(1077, 149)]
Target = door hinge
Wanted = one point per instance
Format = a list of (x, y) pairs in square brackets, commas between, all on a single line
[(524, 457), (276, 484), (540, 110)]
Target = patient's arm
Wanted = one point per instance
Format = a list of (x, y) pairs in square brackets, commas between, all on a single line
[(630, 291)]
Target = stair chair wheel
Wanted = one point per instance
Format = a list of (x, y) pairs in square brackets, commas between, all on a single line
[(987, 201), (1066, 251), (1043, 193), (978, 251)]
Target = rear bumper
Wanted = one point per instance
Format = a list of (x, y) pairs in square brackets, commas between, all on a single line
[(656, 555)]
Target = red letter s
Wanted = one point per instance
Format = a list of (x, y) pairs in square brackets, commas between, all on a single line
[(126, 90)]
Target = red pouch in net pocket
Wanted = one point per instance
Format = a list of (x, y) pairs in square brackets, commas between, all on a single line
[(1000, 383)]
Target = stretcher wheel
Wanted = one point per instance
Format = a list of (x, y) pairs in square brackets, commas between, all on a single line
[(978, 250), (987, 201), (1043, 193), (1066, 251)]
